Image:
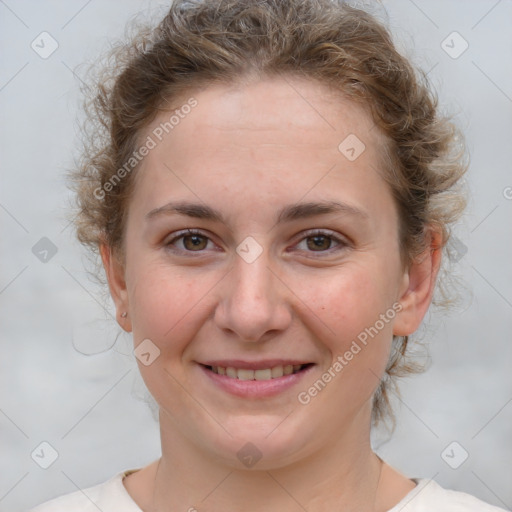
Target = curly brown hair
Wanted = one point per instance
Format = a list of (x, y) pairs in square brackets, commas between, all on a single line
[(201, 42)]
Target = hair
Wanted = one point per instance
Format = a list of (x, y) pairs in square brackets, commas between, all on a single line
[(202, 42)]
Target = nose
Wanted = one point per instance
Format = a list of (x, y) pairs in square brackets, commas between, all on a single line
[(254, 302)]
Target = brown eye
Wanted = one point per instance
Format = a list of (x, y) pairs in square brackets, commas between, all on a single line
[(194, 242), (188, 241), (319, 242)]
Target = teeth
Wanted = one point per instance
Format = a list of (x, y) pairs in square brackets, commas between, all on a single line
[(264, 374), (245, 374), (277, 371)]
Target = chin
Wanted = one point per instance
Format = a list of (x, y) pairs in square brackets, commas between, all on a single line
[(259, 443)]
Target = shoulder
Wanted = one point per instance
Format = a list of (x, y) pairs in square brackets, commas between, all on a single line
[(429, 496), (108, 496)]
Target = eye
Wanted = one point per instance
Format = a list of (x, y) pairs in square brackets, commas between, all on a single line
[(321, 241), (191, 241)]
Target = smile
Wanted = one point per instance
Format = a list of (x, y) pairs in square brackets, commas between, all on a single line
[(255, 380), (261, 374)]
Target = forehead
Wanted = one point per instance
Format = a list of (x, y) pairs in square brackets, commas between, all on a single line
[(284, 135), (269, 107)]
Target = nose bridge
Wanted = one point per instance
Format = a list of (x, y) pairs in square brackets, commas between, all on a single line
[(252, 301), (252, 279)]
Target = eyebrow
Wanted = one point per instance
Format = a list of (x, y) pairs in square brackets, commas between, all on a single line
[(286, 214)]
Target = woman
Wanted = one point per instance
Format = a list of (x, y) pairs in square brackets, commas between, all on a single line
[(271, 198)]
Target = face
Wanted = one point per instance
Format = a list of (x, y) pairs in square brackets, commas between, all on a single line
[(257, 245)]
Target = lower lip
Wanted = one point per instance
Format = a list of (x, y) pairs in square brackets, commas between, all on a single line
[(255, 388)]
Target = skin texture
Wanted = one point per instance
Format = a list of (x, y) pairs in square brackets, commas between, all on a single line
[(248, 150)]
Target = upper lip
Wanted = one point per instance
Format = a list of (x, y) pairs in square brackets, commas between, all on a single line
[(253, 365)]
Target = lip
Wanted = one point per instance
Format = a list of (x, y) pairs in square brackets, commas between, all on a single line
[(254, 388)]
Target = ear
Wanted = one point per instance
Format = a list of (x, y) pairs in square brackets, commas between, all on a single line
[(418, 286), (114, 271)]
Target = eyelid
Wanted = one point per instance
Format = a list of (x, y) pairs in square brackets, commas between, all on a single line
[(320, 231)]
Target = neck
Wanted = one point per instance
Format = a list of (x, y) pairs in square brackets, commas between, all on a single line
[(343, 474)]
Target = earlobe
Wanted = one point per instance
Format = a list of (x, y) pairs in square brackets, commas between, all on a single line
[(114, 271), (418, 287)]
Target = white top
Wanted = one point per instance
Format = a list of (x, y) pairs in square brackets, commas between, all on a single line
[(112, 496)]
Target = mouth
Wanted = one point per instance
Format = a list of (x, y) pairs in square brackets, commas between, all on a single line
[(270, 373), (255, 380)]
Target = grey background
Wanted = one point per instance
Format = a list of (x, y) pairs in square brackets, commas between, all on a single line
[(89, 408)]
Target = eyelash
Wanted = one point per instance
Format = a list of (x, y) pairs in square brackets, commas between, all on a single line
[(309, 234)]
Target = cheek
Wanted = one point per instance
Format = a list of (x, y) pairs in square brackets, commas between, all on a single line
[(359, 340), (351, 305), (351, 302), (165, 301), (168, 309)]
